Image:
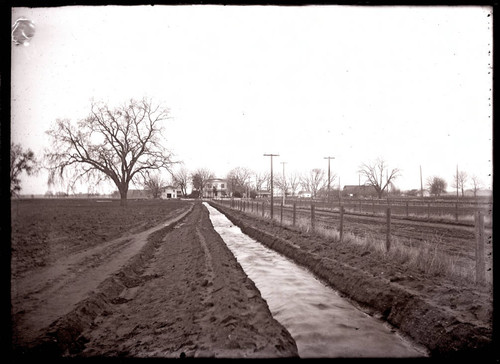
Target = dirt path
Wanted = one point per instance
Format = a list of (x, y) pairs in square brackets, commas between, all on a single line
[(182, 294), (43, 295)]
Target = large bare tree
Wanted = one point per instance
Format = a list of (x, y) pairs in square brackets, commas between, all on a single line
[(200, 179), (20, 161), (378, 175), (120, 144)]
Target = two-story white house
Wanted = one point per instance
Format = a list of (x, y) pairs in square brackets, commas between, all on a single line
[(171, 192), (216, 187)]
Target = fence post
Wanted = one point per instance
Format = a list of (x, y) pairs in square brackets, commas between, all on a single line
[(312, 217), (406, 208), (281, 214), (388, 236), (257, 206), (456, 211), (428, 210), (480, 264), (341, 228), (263, 209), (294, 213)]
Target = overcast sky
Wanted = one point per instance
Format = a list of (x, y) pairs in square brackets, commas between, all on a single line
[(411, 85)]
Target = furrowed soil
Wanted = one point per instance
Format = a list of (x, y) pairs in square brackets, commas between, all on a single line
[(450, 316), (153, 279), (90, 278)]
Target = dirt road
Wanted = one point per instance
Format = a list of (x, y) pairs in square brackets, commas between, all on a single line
[(173, 290)]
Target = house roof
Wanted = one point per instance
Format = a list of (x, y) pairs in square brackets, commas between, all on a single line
[(170, 187)]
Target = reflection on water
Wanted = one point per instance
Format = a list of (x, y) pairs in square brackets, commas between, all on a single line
[(322, 323)]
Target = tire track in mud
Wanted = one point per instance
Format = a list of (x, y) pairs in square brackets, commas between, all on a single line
[(48, 294)]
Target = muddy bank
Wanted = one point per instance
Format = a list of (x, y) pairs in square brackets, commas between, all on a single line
[(415, 304)]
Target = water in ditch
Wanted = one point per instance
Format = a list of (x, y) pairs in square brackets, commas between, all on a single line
[(322, 323)]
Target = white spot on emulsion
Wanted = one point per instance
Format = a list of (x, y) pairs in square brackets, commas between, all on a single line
[(22, 31)]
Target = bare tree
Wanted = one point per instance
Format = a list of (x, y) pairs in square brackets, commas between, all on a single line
[(281, 182), (477, 184), (293, 182), (20, 161), (459, 181), (378, 175), (181, 179), (261, 180), (436, 185), (239, 180), (119, 144), (200, 179), (154, 184), (313, 181)]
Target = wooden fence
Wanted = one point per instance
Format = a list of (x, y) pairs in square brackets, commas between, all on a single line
[(263, 209), (428, 207)]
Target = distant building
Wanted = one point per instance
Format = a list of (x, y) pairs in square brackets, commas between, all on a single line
[(359, 191), (263, 194), (170, 192), (216, 187), (304, 194)]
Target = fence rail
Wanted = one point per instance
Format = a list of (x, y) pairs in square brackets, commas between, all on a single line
[(463, 209), (319, 212)]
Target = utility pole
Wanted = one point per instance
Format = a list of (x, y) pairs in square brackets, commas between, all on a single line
[(457, 182), (340, 193), (421, 184), (284, 182), (329, 200), (272, 198)]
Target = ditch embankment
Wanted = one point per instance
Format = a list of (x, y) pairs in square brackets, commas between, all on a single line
[(450, 317)]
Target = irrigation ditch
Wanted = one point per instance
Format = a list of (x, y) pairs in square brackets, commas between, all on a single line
[(451, 318)]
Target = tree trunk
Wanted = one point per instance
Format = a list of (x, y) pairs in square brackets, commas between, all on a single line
[(123, 196)]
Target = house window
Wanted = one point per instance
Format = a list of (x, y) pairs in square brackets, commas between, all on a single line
[(222, 185)]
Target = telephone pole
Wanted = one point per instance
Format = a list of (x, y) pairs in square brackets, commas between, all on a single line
[(421, 184), (272, 192), (284, 182), (329, 201)]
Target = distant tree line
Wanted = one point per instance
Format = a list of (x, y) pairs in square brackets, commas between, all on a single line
[(126, 145)]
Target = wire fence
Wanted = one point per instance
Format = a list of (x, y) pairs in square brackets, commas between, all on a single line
[(319, 214)]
